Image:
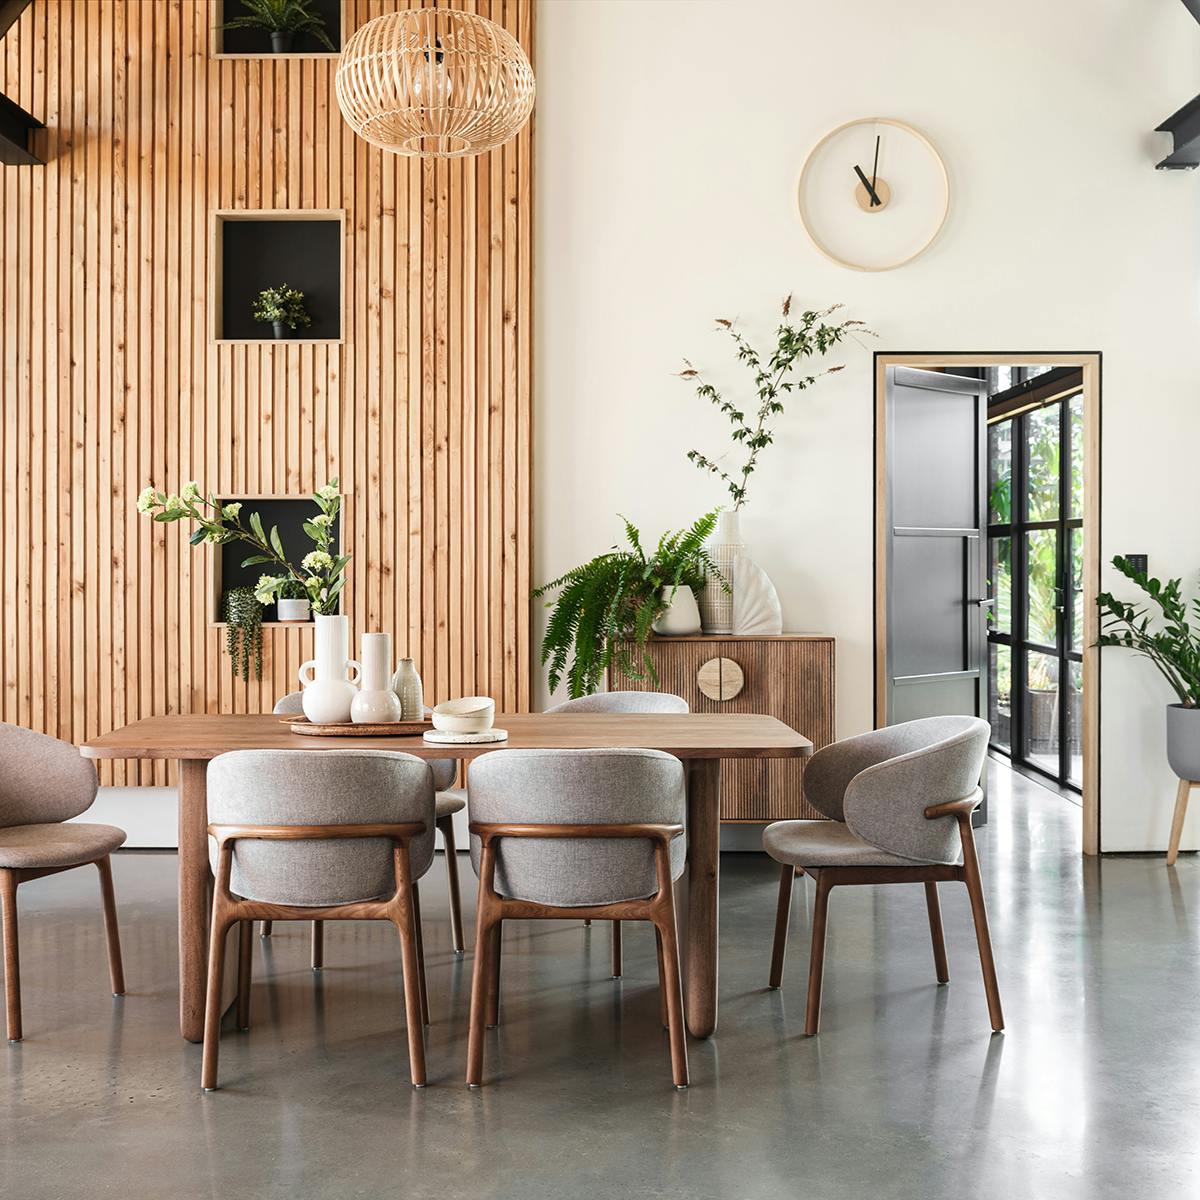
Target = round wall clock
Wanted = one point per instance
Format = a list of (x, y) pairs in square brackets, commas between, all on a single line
[(874, 193)]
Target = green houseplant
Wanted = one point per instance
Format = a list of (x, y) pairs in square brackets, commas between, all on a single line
[(615, 599), (282, 19), (242, 614), (291, 601), (1166, 635), (282, 308)]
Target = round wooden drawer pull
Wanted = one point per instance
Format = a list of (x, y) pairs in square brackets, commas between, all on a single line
[(720, 679)]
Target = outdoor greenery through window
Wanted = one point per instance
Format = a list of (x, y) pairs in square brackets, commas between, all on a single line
[(1035, 566)]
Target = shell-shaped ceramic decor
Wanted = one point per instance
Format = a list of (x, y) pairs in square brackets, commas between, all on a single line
[(755, 600)]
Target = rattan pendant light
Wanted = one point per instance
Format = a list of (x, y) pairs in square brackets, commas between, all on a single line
[(434, 82)]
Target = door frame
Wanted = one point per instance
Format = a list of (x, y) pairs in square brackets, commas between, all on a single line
[(1090, 362)]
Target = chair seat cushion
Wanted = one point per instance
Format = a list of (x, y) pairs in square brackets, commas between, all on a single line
[(826, 844), (32, 847), (450, 801)]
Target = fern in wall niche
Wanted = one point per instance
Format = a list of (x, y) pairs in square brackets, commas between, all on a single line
[(773, 379)]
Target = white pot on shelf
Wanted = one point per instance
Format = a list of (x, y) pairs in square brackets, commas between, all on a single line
[(683, 613), (375, 702), (328, 687), (292, 610)]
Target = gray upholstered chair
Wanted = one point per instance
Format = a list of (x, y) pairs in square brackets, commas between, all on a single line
[(899, 802), (340, 835), (44, 784), (450, 800), (622, 702), (575, 833)]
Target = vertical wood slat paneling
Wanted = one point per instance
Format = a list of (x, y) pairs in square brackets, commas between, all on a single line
[(110, 382)]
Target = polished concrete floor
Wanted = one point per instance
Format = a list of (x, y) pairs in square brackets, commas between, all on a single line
[(1093, 1091)]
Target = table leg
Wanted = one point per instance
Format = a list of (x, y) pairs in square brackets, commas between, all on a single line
[(704, 846), (193, 896)]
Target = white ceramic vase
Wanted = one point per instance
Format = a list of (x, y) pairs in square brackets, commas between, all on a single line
[(756, 608), (683, 613), (406, 683), (328, 688), (716, 604), (375, 702)]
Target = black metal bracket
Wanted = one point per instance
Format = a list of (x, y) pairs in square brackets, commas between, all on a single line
[(1184, 126)]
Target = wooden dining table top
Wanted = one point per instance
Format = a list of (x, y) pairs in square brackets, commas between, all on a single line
[(686, 735)]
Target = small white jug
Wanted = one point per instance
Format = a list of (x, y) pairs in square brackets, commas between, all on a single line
[(375, 701)]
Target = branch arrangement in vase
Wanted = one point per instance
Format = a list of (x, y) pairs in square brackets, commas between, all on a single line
[(282, 19), (321, 574), (616, 597), (1169, 640), (773, 380)]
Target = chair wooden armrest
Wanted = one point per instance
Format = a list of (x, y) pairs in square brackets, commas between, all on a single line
[(487, 833), (404, 832), (954, 808)]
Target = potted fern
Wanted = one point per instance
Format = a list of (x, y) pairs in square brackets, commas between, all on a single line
[(283, 20), (1172, 643), (621, 597), (282, 308)]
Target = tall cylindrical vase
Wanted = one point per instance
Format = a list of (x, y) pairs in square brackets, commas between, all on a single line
[(328, 693), (375, 702), (716, 604)]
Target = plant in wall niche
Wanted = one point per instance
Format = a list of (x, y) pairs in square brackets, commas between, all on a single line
[(773, 380), (616, 597), (321, 575), (242, 614), (282, 19), (281, 307)]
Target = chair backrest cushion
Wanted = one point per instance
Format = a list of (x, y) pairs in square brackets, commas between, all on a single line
[(326, 787), (885, 803), (577, 787), (624, 702), (445, 770), (43, 780)]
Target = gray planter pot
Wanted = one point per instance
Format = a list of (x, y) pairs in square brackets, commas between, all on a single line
[(1183, 741)]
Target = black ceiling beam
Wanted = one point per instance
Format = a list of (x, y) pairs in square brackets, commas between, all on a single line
[(16, 129), (1193, 6), (1184, 128), (10, 10)]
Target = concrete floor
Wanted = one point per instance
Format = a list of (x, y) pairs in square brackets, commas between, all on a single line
[(1092, 1092)]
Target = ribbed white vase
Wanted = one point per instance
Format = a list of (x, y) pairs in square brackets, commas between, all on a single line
[(716, 604)]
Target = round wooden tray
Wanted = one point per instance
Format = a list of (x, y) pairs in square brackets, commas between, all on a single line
[(304, 726)]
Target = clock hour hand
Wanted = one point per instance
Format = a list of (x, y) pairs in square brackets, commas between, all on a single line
[(867, 184)]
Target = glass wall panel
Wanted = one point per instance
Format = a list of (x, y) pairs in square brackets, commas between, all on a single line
[(1041, 594), (1042, 456), (1041, 711)]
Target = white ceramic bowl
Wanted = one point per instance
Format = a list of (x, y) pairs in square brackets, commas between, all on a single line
[(471, 714)]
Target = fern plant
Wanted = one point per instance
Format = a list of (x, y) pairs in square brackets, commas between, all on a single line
[(614, 600), (282, 16)]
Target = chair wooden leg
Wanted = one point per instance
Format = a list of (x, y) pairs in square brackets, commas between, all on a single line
[(416, 902), (446, 825), (1181, 806), (212, 1007), (616, 950), (480, 981), (116, 970), (662, 981), (245, 950), (12, 958), (587, 924), (493, 987), (816, 961), (267, 926), (782, 914), (318, 945), (412, 992), (940, 963), (674, 996), (979, 912)]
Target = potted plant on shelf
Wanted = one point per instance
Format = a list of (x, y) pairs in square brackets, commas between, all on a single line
[(622, 596), (282, 308), (291, 601), (242, 614), (773, 380), (1172, 644), (283, 20)]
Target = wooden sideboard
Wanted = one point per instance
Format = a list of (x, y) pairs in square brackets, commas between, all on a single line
[(789, 676)]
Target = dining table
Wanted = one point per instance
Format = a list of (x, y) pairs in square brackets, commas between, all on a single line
[(700, 740)]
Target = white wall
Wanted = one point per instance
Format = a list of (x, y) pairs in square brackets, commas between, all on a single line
[(669, 138)]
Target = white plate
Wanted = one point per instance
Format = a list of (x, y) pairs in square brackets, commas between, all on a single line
[(442, 738)]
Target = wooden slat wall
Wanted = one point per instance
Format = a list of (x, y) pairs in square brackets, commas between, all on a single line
[(110, 383)]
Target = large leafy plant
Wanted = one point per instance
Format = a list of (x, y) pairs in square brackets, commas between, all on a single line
[(610, 603), (773, 380), (321, 573), (1166, 637), (281, 304), (282, 16)]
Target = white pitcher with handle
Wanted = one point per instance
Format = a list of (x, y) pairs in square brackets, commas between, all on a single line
[(329, 690)]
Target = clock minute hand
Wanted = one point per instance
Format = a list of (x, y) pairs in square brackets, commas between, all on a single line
[(867, 184)]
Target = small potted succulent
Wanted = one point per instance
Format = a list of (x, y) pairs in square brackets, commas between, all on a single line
[(291, 602), (283, 20), (282, 308), (242, 614)]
